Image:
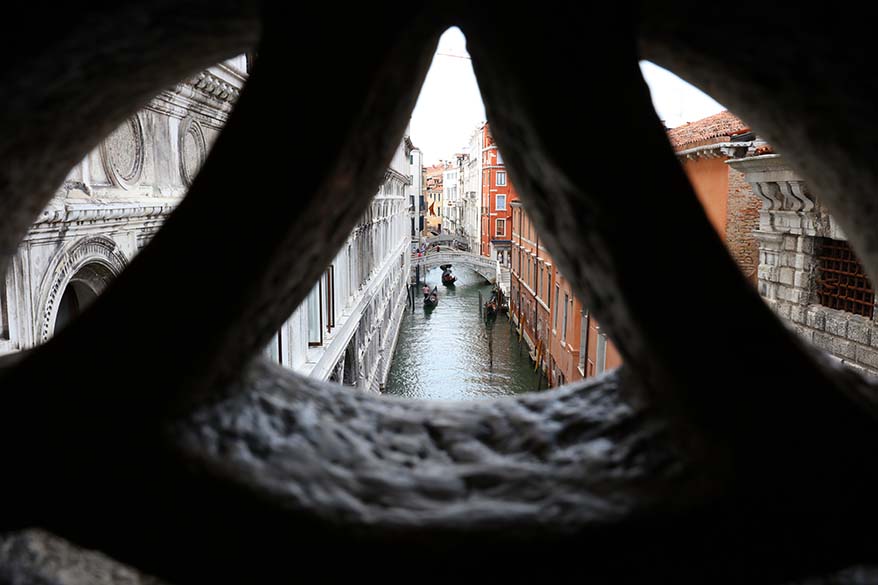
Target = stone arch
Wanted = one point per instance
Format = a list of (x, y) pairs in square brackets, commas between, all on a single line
[(92, 262)]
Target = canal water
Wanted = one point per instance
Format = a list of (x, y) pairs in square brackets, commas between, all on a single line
[(451, 353)]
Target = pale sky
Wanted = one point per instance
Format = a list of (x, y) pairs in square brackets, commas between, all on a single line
[(450, 106)]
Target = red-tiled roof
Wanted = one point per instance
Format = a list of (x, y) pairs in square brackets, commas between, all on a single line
[(716, 128)]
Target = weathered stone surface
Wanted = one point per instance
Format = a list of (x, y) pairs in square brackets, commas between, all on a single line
[(35, 557), (801, 279), (860, 330), (816, 318), (836, 323), (784, 310), (843, 348), (869, 357), (805, 333), (823, 341)]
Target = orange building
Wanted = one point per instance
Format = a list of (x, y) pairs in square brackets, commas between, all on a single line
[(562, 337), (433, 198), (703, 148), (497, 196)]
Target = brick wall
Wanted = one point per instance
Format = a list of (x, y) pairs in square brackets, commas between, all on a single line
[(742, 221)]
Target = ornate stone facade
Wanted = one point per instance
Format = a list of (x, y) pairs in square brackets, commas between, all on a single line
[(792, 223), (111, 204)]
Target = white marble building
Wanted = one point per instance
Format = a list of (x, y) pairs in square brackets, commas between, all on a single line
[(451, 198), (416, 194), (346, 330), (111, 204), (472, 191)]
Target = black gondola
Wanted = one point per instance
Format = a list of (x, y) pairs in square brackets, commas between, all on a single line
[(447, 278), (491, 307), (432, 299)]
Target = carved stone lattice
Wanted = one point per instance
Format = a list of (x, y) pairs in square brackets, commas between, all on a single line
[(188, 457)]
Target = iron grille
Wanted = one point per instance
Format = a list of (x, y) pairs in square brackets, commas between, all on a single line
[(841, 281)]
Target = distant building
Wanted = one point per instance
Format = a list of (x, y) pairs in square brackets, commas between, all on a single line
[(497, 194), (452, 194), (472, 191), (416, 194), (433, 191)]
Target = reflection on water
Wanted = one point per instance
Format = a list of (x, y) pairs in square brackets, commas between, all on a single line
[(451, 353)]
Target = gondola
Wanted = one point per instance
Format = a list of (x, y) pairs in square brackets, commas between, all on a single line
[(447, 278), (432, 299), (491, 307)]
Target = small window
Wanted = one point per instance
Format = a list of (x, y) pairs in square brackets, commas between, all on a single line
[(314, 310), (583, 342), (601, 357), (539, 281), (329, 303), (501, 202), (501, 228), (501, 178), (564, 324), (841, 281), (557, 308)]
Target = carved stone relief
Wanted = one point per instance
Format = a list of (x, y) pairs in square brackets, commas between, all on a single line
[(122, 153), (96, 249), (192, 149)]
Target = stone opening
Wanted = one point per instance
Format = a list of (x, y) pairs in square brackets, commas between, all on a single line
[(83, 288)]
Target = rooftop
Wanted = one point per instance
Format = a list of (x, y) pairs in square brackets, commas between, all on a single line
[(716, 128)]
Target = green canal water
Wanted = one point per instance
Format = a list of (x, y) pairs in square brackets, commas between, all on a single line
[(451, 353)]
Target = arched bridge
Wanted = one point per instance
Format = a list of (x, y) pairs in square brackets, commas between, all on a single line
[(448, 239), (491, 270)]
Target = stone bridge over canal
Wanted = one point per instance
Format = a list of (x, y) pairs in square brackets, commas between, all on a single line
[(490, 270)]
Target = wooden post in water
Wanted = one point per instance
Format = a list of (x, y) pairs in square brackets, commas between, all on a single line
[(490, 345), (480, 304)]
